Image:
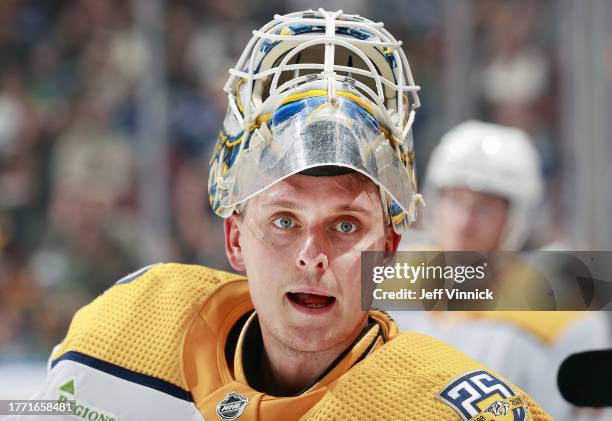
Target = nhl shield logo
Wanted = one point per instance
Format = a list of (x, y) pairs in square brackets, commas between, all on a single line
[(232, 406)]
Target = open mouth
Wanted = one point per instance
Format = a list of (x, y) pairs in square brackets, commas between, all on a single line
[(311, 302)]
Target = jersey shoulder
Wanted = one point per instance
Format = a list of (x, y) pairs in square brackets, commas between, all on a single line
[(416, 376), (546, 326), (139, 323)]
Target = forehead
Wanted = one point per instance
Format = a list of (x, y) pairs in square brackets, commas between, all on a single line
[(465, 193), (348, 190)]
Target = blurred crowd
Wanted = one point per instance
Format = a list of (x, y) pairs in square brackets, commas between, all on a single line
[(70, 212)]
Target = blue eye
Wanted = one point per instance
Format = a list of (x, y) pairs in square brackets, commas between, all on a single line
[(345, 227), (283, 222)]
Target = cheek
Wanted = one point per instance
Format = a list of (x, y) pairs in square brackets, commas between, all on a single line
[(259, 246), (447, 216), (261, 262), (374, 239), (269, 245), (347, 256), (496, 227), (346, 267), (347, 270), (440, 217), (266, 276), (502, 219)]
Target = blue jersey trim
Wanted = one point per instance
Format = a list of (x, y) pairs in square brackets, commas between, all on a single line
[(125, 374), (129, 278)]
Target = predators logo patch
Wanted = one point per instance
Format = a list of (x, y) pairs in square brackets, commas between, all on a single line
[(480, 396)]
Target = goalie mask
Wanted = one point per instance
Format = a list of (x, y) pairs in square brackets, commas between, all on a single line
[(316, 89)]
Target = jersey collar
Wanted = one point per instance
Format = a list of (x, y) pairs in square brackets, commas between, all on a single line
[(250, 346)]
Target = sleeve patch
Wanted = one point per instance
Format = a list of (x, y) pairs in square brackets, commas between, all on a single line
[(480, 396)]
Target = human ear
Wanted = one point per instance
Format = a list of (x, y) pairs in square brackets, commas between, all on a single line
[(392, 239), (233, 250)]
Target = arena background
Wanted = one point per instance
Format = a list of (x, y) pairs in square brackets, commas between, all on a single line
[(109, 110)]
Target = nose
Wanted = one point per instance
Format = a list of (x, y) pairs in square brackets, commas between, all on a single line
[(312, 256)]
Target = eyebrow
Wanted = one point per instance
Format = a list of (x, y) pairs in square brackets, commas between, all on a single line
[(296, 206), (352, 208), (282, 204)]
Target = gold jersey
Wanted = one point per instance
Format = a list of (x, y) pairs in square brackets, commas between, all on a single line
[(191, 333)]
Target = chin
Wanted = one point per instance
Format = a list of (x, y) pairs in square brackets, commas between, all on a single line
[(311, 339), (324, 340)]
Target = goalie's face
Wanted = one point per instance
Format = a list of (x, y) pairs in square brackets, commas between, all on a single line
[(299, 242)]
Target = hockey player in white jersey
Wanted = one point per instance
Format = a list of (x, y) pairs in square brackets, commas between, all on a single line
[(483, 186)]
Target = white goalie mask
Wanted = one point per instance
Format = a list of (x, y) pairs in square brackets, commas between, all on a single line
[(492, 159), (315, 89)]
